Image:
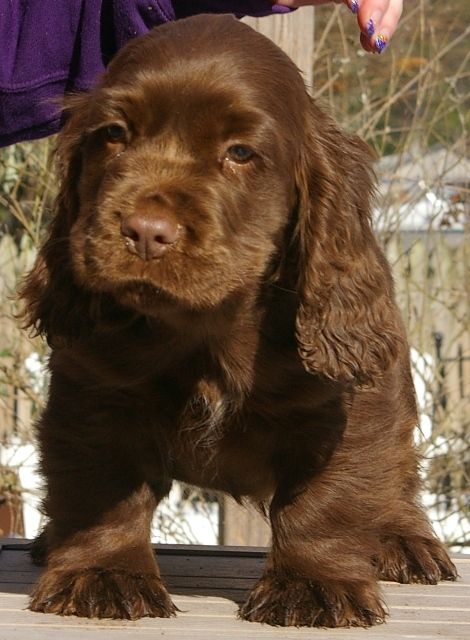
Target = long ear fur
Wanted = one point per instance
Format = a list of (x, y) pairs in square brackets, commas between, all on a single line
[(54, 305), (348, 327)]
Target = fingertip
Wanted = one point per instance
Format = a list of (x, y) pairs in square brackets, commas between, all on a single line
[(366, 44)]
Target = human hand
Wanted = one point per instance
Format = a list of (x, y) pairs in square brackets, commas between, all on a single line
[(377, 19)]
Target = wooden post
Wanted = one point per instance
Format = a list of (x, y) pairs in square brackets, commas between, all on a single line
[(244, 525), (294, 33)]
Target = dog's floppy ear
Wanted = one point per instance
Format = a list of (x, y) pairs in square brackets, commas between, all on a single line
[(347, 324), (54, 306)]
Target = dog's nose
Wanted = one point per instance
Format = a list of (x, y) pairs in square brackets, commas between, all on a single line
[(147, 235)]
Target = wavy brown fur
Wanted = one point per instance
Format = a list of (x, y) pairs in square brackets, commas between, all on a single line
[(260, 354)]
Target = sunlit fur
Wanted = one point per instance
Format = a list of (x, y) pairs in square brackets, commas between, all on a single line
[(262, 354)]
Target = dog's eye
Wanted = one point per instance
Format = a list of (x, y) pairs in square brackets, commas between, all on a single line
[(239, 153), (115, 133)]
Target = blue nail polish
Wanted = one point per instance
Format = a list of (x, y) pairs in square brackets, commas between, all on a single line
[(354, 6), (370, 28), (380, 43), (280, 8)]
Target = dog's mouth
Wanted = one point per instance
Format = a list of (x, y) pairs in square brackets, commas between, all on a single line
[(142, 292), (157, 289), (149, 300)]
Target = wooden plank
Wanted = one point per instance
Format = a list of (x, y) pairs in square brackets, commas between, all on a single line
[(8, 544), (418, 612), (171, 566), (240, 630), (189, 582), (421, 600), (430, 614), (188, 627)]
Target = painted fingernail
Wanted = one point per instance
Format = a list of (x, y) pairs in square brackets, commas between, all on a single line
[(354, 6), (380, 43), (280, 8), (370, 28)]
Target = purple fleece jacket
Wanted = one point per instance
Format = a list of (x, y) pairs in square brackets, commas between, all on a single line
[(48, 47)]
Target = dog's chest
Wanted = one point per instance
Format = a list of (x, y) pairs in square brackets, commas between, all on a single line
[(217, 448), (205, 414)]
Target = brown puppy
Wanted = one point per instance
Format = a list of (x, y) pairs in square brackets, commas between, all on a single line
[(220, 313)]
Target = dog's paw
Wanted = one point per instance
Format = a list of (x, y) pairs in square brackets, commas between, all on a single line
[(102, 593), (422, 560), (283, 600)]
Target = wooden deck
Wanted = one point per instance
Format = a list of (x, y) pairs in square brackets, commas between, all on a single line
[(206, 583)]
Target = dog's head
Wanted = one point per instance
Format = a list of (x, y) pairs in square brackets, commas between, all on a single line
[(181, 173)]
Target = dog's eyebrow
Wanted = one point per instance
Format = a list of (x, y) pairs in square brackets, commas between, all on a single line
[(241, 118), (114, 99), (109, 105)]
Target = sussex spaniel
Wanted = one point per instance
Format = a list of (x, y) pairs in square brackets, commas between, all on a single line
[(220, 313)]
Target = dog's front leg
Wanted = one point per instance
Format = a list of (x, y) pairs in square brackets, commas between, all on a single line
[(105, 570), (99, 559), (320, 571)]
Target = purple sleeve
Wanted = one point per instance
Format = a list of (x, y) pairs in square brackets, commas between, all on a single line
[(185, 8), (50, 47)]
